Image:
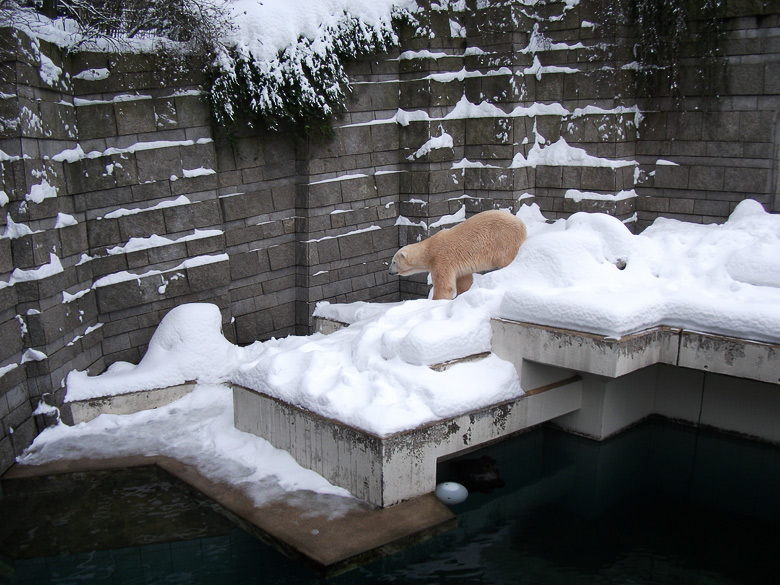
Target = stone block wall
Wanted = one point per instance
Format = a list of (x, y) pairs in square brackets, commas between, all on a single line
[(692, 158), (348, 198), (112, 216), (725, 147), (121, 201), (505, 106)]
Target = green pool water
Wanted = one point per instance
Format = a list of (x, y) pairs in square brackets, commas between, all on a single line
[(661, 503)]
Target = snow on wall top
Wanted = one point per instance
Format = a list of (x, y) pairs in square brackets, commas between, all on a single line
[(265, 28), (259, 27)]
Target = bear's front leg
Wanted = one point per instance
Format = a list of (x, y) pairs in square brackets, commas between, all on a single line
[(463, 283), (443, 286)]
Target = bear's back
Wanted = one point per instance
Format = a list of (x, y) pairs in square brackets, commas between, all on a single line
[(485, 241)]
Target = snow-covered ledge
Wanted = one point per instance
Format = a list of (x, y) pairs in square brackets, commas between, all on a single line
[(527, 345), (187, 348)]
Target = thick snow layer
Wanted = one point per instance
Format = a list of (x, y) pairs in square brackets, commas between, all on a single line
[(590, 273), (374, 374), (263, 28), (587, 273), (197, 430), (187, 346), (715, 278)]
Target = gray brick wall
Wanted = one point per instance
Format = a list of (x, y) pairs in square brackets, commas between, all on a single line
[(265, 226)]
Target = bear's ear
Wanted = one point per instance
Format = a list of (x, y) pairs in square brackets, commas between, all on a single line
[(403, 253)]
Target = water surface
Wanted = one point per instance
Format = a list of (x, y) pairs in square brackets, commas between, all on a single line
[(659, 504)]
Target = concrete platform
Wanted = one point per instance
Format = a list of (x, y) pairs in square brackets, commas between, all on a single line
[(752, 360), (583, 352), (79, 411), (385, 471), (708, 380), (520, 342), (715, 381), (588, 384), (327, 533)]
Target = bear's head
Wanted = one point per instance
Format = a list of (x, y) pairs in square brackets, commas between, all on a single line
[(405, 262)]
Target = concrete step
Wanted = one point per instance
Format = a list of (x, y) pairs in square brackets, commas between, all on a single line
[(79, 411)]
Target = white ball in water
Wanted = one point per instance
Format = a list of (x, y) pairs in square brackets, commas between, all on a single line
[(450, 492)]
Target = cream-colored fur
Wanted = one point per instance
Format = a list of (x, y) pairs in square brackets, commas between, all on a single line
[(486, 241)]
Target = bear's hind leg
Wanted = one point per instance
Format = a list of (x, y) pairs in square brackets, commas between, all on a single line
[(463, 283)]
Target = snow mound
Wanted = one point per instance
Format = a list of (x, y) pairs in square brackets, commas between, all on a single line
[(757, 263), (188, 346), (263, 29), (590, 273), (374, 375)]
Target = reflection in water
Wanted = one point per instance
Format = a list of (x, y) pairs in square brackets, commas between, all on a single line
[(104, 510), (661, 503)]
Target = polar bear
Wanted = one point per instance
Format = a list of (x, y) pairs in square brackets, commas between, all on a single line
[(486, 241)]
